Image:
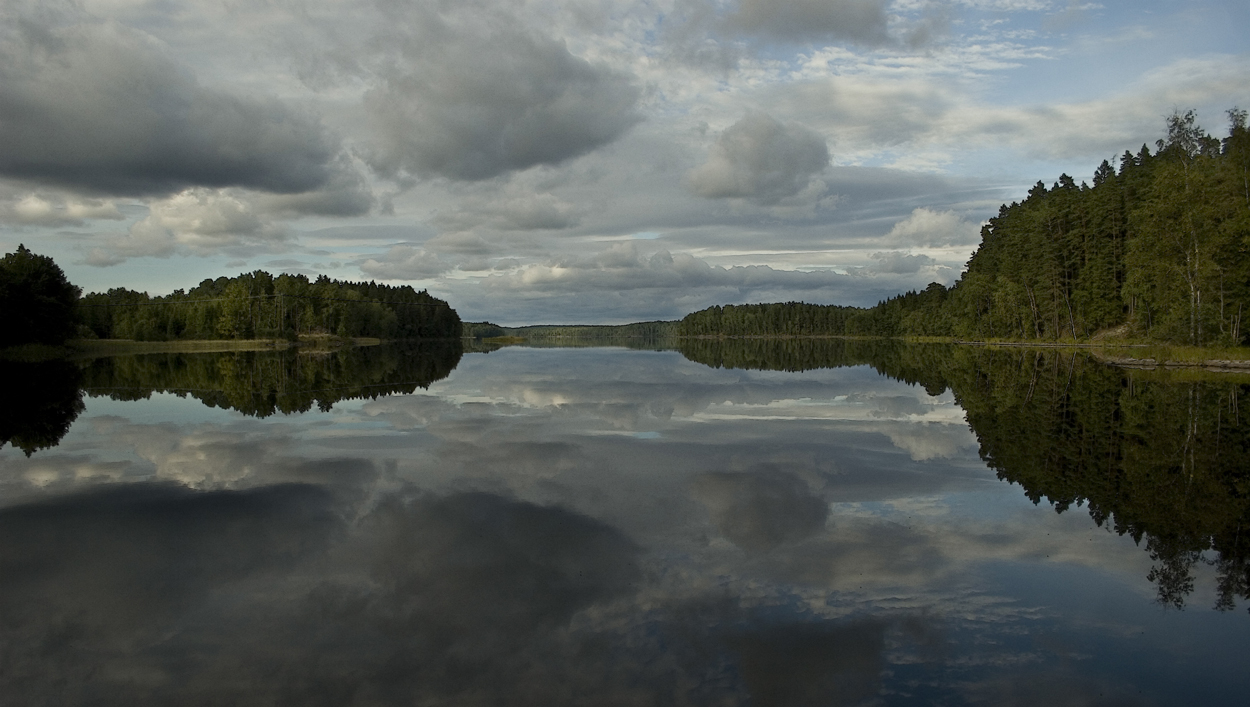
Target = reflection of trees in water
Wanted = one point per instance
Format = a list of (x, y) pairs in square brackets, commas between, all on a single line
[(1157, 456), (262, 383), (1153, 456), (41, 401), (911, 363)]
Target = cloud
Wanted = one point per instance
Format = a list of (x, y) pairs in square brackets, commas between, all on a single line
[(926, 227), (623, 266), (105, 108), (403, 262), (345, 193), (900, 263), (471, 101), (863, 21), (55, 209), (202, 221), (511, 211), (760, 159)]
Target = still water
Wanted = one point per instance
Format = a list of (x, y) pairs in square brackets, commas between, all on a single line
[(784, 523)]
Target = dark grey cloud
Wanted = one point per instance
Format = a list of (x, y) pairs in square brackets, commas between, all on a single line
[(471, 104), (106, 109), (863, 21), (761, 159), (345, 192)]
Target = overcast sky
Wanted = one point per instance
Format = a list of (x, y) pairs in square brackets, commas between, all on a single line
[(562, 161)]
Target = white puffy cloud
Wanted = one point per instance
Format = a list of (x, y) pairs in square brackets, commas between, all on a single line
[(200, 221), (761, 159), (56, 209), (927, 227)]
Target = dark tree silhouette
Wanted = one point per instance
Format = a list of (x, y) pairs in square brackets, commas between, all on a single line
[(36, 300)]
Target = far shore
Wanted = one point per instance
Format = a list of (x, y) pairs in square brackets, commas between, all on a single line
[(91, 348), (1114, 352), (98, 348)]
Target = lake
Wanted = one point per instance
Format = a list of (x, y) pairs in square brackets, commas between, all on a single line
[(802, 522)]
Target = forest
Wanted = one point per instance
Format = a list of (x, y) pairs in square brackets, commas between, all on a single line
[(258, 305), (38, 305), (1158, 248)]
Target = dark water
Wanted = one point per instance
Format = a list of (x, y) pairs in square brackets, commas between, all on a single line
[(763, 523)]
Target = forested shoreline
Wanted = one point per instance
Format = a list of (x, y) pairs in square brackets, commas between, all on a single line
[(40, 306), (1158, 249), (258, 305)]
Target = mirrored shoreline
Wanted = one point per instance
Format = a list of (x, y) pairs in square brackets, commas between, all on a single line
[(782, 526)]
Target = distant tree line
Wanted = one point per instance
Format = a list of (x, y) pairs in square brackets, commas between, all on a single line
[(784, 319), (39, 305), (654, 335), (259, 305), (1161, 246)]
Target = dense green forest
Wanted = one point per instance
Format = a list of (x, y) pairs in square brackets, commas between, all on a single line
[(261, 306), (38, 305), (1160, 246)]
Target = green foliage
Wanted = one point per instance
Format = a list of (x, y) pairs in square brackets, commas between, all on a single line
[(36, 300), (784, 319), (259, 305), (1161, 246)]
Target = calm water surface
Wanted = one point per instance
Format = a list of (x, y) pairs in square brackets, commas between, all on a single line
[(623, 527)]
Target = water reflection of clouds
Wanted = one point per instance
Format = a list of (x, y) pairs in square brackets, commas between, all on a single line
[(453, 541)]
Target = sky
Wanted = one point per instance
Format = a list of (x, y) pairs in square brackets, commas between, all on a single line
[(575, 161)]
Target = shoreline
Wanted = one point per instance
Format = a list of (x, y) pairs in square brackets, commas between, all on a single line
[(79, 349)]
